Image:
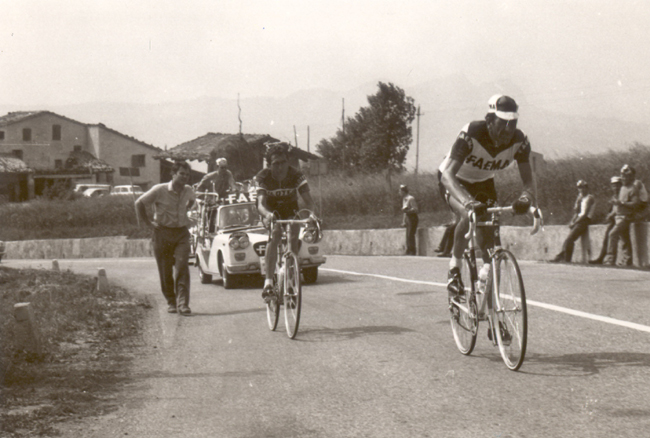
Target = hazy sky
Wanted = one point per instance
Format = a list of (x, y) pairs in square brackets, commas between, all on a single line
[(74, 51)]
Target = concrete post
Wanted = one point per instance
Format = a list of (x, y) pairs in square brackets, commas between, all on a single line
[(102, 281), (55, 265), (27, 334)]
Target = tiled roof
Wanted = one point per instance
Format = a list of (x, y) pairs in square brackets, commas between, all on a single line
[(201, 147), (19, 116), (88, 160), (11, 164)]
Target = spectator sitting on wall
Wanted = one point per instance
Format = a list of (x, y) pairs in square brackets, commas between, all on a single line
[(615, 184), (626, 207), (584, 212)]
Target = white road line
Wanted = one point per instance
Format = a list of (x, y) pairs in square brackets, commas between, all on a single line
[(605, 319)]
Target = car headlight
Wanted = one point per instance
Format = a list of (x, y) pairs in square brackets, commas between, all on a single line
[(239, 241)]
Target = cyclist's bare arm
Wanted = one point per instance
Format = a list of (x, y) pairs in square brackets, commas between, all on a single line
[(262, 206), (459, 195), (308, 201), (526, 174)]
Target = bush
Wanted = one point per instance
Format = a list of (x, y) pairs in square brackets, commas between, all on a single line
[(347, 200)]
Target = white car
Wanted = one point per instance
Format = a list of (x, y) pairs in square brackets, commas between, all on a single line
[(127, 190), (96, 192), (230, 239)]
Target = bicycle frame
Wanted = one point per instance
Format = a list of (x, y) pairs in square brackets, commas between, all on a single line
[(287, 280), (485, 305)]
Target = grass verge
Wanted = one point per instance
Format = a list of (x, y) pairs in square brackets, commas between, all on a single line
[(88, 339)]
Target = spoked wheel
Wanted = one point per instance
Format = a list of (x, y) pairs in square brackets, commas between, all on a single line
[(273, 308), (510, 310), (292, 295), (464, 313)]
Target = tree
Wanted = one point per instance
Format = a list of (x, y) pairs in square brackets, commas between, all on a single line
[(377, 138)]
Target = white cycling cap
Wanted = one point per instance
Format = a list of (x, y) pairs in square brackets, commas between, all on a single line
[(504, 107), (222, 162)]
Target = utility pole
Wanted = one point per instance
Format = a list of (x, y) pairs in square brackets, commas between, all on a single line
[(295, 135), (239, 113), (417, 142), (307, 138), (343, 115)]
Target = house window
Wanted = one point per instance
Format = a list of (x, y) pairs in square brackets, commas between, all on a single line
[(58, 164), (137, 160), (56, 132), (2, 135), (18, 153), (77, 148), (129, 171), (27, 134)]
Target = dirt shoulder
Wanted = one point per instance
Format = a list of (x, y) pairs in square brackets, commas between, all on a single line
[(89, 344)]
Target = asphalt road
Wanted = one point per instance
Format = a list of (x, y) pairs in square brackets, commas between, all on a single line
[(375, 357)]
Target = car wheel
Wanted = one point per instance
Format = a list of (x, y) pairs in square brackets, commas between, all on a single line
[(205, 278), (310, 275), (228, 279)]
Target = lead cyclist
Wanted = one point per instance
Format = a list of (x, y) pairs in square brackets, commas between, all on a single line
[(466, 175)]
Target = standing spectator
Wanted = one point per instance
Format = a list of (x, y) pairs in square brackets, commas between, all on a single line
[(584, 213), (220, 181), (615, 184), (171, 237), (626, 206), (410, 220)]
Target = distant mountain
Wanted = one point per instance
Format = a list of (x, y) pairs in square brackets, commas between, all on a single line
[(446, 104)]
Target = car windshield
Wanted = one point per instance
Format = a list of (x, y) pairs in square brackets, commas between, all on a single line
[(239, 216)]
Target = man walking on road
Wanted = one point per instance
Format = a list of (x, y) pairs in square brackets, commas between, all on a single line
[(171, 236)]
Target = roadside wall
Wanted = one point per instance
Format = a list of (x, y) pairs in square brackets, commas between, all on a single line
[(542, 246)]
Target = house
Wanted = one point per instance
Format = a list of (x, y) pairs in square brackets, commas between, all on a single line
[(56, 147), (244, 152)]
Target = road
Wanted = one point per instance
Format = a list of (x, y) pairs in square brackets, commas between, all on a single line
[(375, 357)]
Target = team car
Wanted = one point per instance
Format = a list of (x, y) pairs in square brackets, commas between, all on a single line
[(229, 240)]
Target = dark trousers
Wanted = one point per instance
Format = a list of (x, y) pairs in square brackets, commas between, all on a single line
[(411, 229), (447, 241), (621, 231), (576, 231), (171, 247), (603, 249)]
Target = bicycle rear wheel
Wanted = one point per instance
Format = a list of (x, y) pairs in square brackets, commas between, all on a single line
[(464, 313), (292, 295), (510, 310)]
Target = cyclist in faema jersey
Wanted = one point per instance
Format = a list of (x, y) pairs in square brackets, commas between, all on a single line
[(278, 188), (466, 175)]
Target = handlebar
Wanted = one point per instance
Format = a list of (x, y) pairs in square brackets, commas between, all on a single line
[(536, 213), (312, 220)]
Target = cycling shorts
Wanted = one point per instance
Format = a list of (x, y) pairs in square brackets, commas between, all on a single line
[(482, 191)]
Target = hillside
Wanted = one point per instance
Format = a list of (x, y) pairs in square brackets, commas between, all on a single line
[(447, 104)]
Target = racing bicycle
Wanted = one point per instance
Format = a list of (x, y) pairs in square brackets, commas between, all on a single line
[(287, 289), (501, 300)]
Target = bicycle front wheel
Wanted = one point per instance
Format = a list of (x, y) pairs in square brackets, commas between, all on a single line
[(273, 306), (510, 310), (292, 295), (464, 313)]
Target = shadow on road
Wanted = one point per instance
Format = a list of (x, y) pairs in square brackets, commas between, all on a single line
[(588, 363), (348, 333), (233, 312)]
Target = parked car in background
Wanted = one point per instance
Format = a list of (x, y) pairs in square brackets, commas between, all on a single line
[(127, 190), (3, 250), (82, 188), (97, 192)]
